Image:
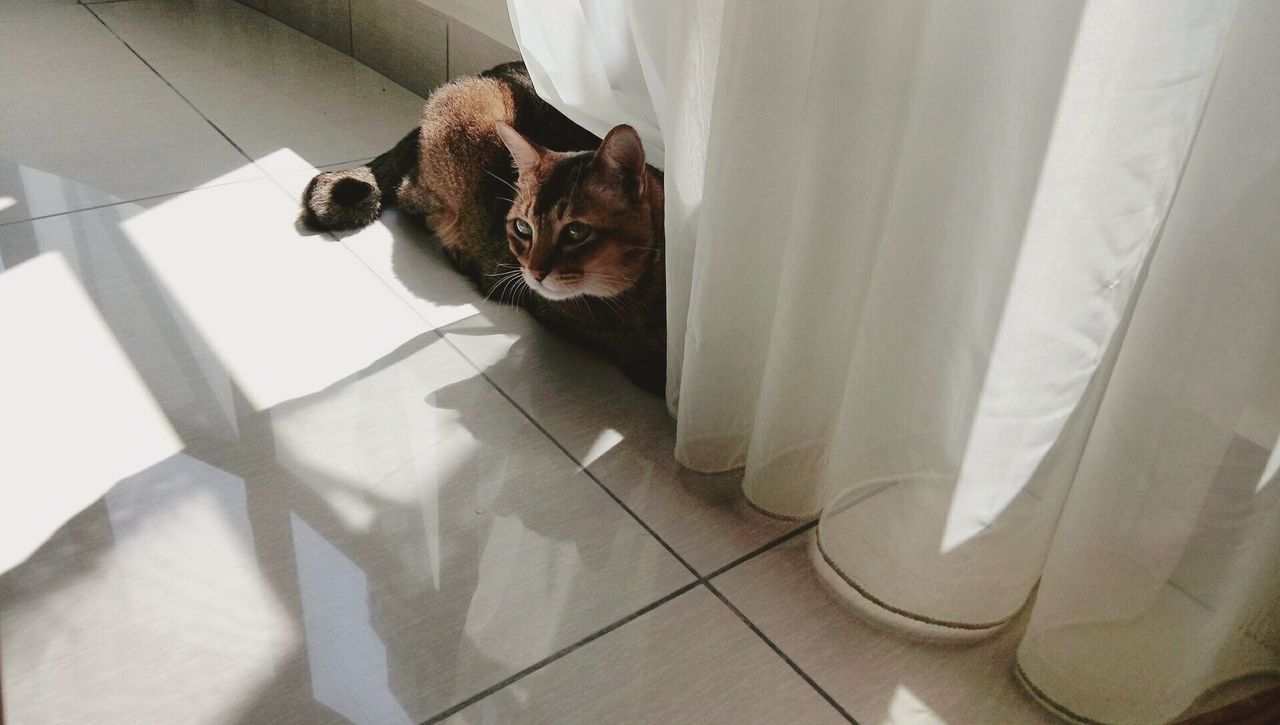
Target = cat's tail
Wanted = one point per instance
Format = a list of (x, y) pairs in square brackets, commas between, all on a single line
[(354, 198)]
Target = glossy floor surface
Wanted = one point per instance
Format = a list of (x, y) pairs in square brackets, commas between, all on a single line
[(307, 479)]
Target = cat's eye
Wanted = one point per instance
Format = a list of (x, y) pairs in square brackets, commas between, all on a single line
[(577, 232), (523, 229)]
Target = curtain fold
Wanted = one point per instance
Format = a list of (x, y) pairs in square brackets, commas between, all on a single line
[(1164, 569), (991, 289)]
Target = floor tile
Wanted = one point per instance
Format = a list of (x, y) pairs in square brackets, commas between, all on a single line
[(95, 126), (690, 660), (374, 553), (622, 434), (287, 100), (879, 677), (220, 279)]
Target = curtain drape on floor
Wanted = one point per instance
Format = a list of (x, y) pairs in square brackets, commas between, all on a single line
[(993, 288)]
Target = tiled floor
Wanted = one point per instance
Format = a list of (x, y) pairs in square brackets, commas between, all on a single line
[(365, 494)]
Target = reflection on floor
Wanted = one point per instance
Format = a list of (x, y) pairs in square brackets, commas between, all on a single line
[(353, 491)]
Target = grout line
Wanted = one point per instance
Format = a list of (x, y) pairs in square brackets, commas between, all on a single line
[(174, 89), (761, 549), (186, 190), (151, 197), (195, 108), (573, 458), (778, 651), (349, 163), (559, 654)]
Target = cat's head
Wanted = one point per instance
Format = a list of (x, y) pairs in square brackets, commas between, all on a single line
[(582, 223)]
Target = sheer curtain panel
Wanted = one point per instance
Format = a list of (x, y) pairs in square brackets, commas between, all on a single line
[(993, 289)]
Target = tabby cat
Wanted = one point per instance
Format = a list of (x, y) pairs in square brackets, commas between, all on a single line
[(530, 206)]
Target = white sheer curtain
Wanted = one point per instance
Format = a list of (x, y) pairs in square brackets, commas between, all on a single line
[(993, 288)]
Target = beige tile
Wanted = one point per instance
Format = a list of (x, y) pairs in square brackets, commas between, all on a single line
[(373, 552), (471, 51), (690, 660), (402, 39), (622, 434), (376, 552), (95, 126), (878, 676), (288, 101), (328, 21)]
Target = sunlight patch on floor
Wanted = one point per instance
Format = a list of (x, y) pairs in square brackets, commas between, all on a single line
[(605, 440), (905, 708), (70, 388), (287, 315)]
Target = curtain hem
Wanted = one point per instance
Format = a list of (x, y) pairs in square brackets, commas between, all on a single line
[(801, 518), (901, 621), (1040, 696)]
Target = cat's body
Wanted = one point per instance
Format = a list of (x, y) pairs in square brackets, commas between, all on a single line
[(576, 237)]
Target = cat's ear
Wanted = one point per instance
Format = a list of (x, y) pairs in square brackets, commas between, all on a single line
[(524, 152), (622, 154)]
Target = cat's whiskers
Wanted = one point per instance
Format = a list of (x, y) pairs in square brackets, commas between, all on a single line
[(627, 307), (586, 306), (616, 306), (574, 186), (499, 178), (627, 284), (516, 268), (517, 290), (513, 290), (510, 283), (500, 284)]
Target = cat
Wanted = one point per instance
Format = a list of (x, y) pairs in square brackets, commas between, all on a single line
[(531, 207)]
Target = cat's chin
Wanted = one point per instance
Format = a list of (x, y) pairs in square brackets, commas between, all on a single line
[(555, 295), (551, 290)]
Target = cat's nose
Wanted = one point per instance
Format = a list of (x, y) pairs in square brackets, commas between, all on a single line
[(539, 274)]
